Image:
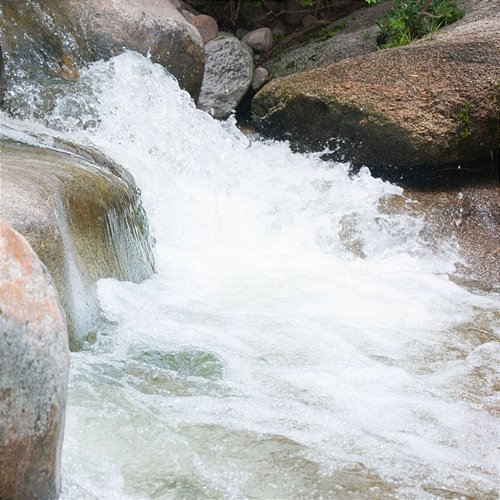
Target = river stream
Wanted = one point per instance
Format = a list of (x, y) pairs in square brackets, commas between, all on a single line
[(297, 341)]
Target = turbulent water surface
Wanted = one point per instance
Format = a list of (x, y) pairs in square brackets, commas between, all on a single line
[(298, 340)]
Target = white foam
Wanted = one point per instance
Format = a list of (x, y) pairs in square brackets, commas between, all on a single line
[(340, 355)]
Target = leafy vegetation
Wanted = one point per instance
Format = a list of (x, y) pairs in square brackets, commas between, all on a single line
[(412, 19)]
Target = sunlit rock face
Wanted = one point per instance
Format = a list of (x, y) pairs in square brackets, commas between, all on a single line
[(84, 221), (34, 362)]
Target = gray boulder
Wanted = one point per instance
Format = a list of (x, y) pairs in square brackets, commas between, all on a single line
[(82, 215), (48, 37), (34, 361), (228, 75)]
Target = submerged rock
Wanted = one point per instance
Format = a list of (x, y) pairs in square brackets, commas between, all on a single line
[(84, 221), (34, 361), (228, 75), (44, 37), (425, 105)]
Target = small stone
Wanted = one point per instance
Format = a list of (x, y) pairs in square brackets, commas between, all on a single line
[(206, 25), (309, 20), (260, 75), (260, 39)]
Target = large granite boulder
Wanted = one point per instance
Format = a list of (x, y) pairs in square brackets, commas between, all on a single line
[(430, 104), (84, 219), (228, 75), (44, 38), (34, 361)]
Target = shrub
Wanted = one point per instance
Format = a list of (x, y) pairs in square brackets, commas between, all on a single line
[(412, 19)]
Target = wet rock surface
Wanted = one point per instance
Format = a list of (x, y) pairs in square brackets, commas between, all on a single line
[(463, 215), (84, 220), (34, 362), (471, 216)]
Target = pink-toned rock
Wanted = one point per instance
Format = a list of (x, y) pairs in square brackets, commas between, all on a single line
[(260, 39), (34, 361), (206, 25)]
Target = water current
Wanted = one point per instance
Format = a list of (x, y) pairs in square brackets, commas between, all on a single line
[(297, 341)]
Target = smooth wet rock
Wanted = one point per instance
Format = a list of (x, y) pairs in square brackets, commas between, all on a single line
[(260, 39), (206, 25), (228, 75), (82, 215), (42, 36), (428, 104), (34, 362)]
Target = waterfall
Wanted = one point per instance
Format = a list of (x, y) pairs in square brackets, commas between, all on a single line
[(300, 339)]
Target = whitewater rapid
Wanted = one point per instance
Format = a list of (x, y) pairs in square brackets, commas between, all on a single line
[(299, 340)]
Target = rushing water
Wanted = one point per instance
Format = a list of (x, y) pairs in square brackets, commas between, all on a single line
[(298, 341)]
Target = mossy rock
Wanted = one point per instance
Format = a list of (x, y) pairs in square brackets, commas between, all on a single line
[(351, 36)]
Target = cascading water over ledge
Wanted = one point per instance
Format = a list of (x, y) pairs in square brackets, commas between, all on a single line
[(297, 341)]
